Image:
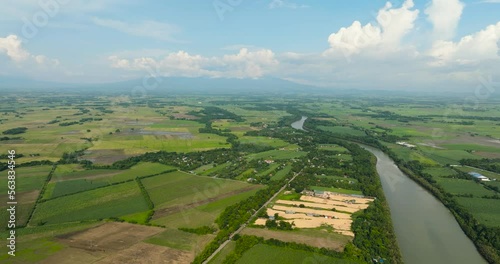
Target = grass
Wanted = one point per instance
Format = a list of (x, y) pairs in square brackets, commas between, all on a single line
[(113, 201), (140, 218), (343, 130), (282, 173), (337, 190), (486, 211), (74, 186), (440, 171), (176, 239), (32, 251), (27, 178), (261, 253), (460, 186), (180, 188), (277, 155), (219, 258), (203, 215)]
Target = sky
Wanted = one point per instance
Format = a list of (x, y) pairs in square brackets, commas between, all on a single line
[(431, 45)]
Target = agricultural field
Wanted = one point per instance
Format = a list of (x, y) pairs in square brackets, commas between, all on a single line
[(487, 211), (271, 254), (160, 173)]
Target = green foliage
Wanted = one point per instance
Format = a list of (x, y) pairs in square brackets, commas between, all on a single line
[(15, 131)]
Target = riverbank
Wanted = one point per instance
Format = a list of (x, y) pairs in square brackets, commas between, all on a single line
[(426, 230)]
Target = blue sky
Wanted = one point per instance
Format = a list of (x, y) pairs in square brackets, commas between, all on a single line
[(403, 45)]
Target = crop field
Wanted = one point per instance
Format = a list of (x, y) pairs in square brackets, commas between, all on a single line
[(277, 155), (82, 180), (459, 186), (343, 130), (270, 254), (282, 173), (440, 171), (487, 211), (165, 192), (202, 215), (113, 201)]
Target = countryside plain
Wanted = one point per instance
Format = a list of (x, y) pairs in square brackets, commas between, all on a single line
[(227, 179)]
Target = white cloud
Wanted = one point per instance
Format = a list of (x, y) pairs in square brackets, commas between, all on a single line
[(285, 4), (480, 46), (444, 16), (244, 64), (148, 28), (11, 46), (385, 36)]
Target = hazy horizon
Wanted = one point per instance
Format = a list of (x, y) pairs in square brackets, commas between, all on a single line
[(445, 45)]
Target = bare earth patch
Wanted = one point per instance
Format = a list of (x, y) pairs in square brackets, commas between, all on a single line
[(116, 243), (148, 253)]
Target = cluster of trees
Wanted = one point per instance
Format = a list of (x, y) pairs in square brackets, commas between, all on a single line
[(278, 224), (147, 198), (10, 138), (485, 164), (204, 230), (15, 131)]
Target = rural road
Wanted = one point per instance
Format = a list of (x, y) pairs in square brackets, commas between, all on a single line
[(245, 224)]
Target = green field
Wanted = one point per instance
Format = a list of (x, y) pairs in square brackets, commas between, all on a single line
[(486, 211), (203, 215), (337, 190), (260, 253), (277, 155), (343, 130), (165, 192), (459, 186), (113, 201)]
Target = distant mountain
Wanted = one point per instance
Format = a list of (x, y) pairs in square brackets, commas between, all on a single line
[(168, 85)]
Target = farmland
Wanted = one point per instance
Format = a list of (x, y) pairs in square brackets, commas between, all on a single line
[(182, 171)]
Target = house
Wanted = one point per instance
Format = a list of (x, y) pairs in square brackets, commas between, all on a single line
[(402, 143), (269, 161), (478, 176)]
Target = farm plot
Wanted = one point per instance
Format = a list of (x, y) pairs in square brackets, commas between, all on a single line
[(113, 201), (460, 187), (203, 215), (314, 212), (83, 180), (271, 254), (486, 211), (29, 181), (176, 191)]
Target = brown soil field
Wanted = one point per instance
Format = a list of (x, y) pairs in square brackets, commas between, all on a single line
[(116, 243)]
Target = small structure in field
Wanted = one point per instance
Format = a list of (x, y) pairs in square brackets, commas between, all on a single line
[(478, 176)]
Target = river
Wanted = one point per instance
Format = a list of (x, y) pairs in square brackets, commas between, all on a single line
[(425, 229), (299, 124)]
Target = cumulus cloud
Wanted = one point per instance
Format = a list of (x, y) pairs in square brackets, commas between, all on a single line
[(11, 46), (244, 64), (386, 35), (150, 29), (482, 45), (444, 16)]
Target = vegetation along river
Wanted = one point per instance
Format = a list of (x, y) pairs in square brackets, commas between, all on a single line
[(425, 229)]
